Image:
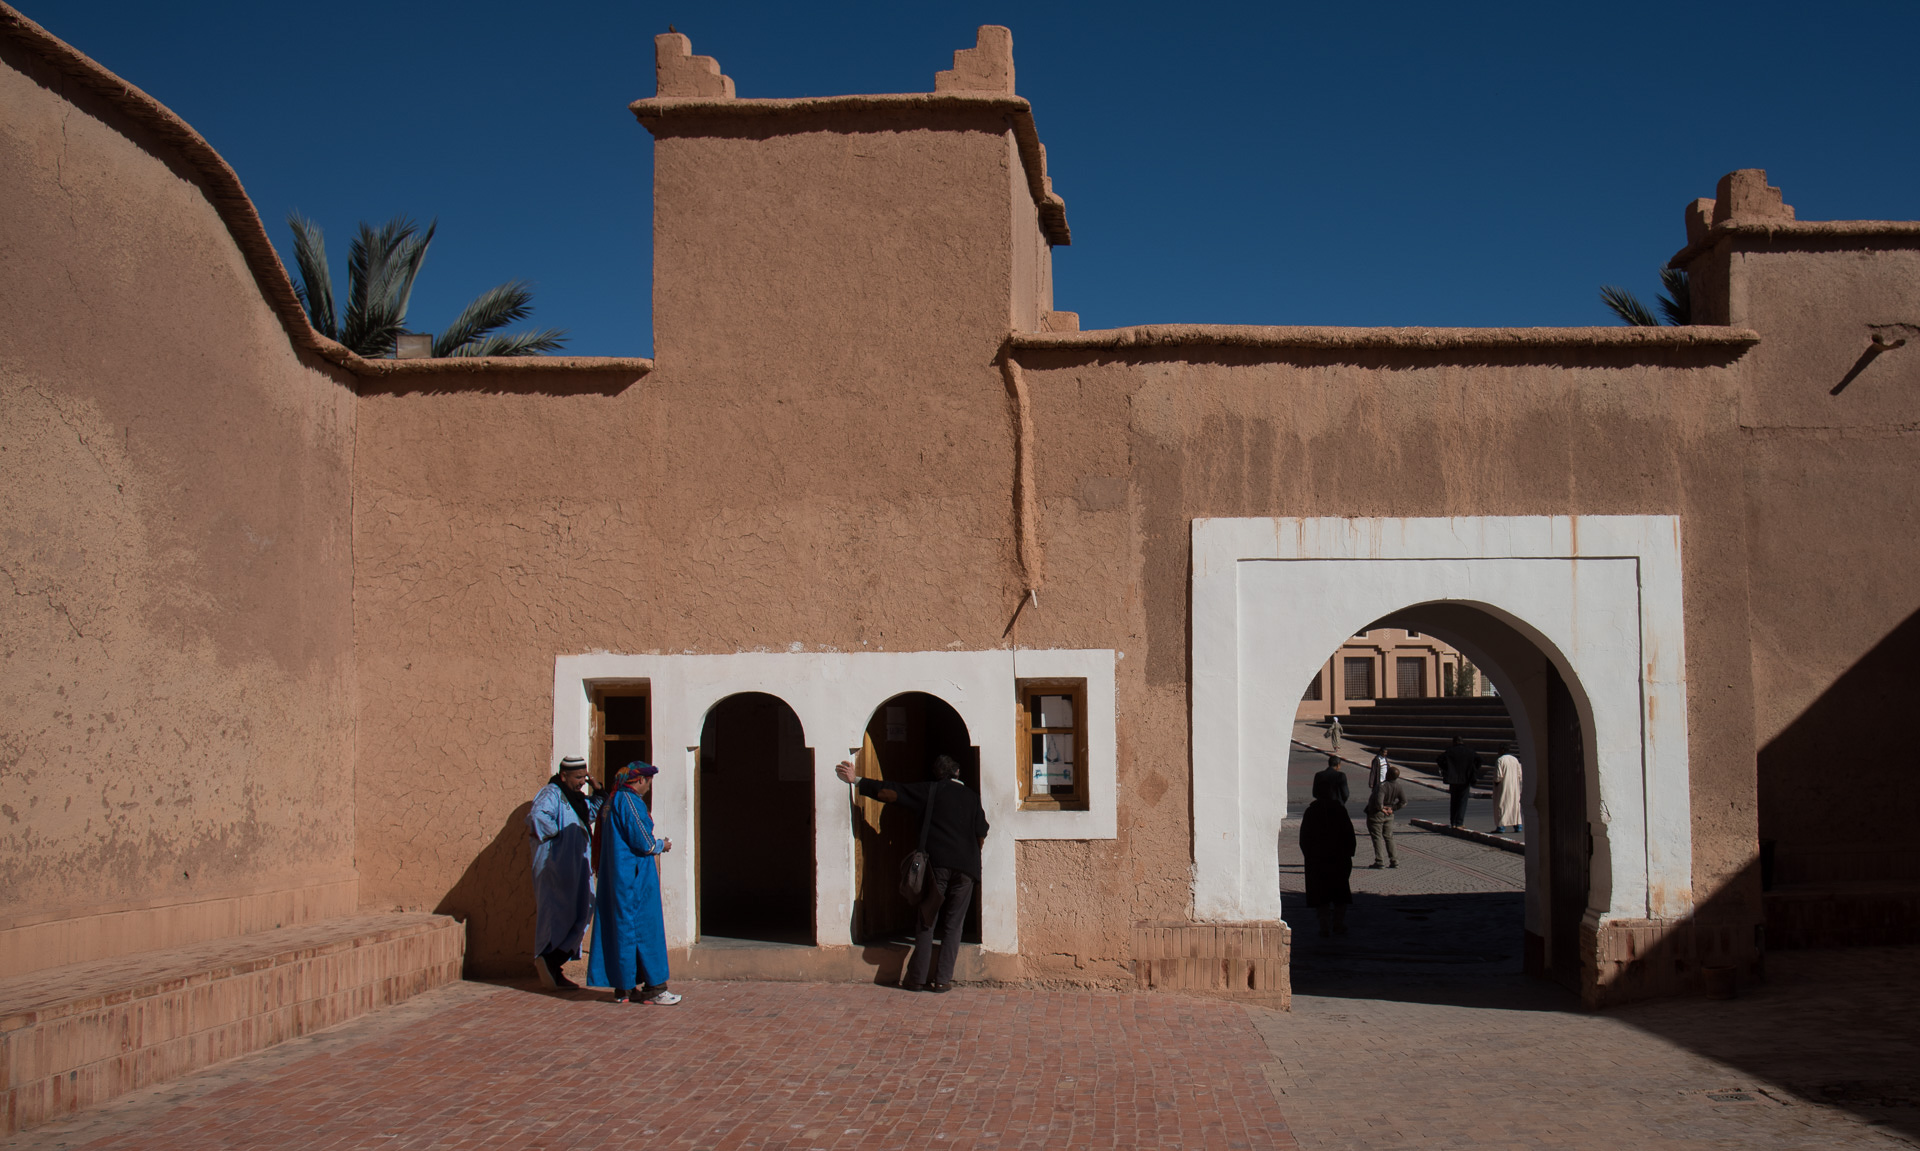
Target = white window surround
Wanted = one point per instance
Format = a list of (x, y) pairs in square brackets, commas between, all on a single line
[(834, 694), (1599, 595)]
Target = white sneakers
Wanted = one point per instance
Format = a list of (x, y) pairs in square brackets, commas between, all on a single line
[(663, 999)]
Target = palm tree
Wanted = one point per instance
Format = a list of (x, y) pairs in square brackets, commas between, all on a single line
[(381, 267), (1675, 303)]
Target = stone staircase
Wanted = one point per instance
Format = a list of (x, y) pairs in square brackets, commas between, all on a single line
[(1414, 731), (76, 1036)]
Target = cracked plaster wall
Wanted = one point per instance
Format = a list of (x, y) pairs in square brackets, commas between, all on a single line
[(175, 659)]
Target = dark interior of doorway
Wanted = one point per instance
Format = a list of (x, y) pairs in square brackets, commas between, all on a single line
[(908, 732), (755, 799)]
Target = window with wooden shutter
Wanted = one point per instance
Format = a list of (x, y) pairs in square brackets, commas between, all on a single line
[(1313, 690), (1359, 677), (1412, 677), (1053, 745), (622, 731)]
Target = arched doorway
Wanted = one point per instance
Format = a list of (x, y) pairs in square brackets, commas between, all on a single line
[(907, 733), (1462, 906), (755, 878), (1599, 598)]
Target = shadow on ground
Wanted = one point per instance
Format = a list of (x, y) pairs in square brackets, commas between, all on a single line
[(1836, 1027), (1840, 1028)]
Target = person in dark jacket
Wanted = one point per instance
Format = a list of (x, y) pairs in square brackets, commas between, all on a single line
[(1334, 777), (1326, 844), (1459, 764), (1385, 799), (955, 835)]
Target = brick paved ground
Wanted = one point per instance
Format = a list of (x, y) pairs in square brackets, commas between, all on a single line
[(757, 1065), (1827, 1055)]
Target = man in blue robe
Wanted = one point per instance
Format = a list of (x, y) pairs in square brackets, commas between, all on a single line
[(560, 825), (630, 942)]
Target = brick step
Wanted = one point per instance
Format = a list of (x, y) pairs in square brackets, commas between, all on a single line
[(1430, 703), (76, 1036)]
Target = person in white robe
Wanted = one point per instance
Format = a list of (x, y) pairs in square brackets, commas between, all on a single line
[(1506, 792)]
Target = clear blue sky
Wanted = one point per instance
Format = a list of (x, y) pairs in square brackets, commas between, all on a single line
[(1226, 163)]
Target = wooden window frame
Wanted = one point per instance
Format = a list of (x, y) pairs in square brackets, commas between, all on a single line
[(1080, 798), (597, 744)]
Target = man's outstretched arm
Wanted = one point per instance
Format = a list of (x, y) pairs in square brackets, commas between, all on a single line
[(850, 774)]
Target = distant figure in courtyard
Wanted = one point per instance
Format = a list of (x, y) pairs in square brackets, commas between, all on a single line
[(630, 942), (1333, 732), (1332, 778), (1506, 792), (956, 831), (560, 824), (1326, 844), (1385, 799), (1459, 764), (1377, 771)]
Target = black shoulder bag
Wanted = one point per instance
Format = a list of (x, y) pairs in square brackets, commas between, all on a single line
[(913, 869)]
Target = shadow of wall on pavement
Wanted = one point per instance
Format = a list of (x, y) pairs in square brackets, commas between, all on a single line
[(1842, 878), (1838, 1027), (494, 897), (1459, 949)]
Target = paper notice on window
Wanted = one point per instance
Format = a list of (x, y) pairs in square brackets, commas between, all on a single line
[(1052, 763)]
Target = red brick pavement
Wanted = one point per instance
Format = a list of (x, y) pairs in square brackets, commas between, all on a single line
[(766, 1065)]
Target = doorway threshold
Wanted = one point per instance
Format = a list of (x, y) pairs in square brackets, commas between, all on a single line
[(732, 943)]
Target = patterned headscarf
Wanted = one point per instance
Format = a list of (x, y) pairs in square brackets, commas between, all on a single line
[(633, 773)]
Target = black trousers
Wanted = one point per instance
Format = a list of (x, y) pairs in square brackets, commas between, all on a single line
[(943, 904), (1457, 803)]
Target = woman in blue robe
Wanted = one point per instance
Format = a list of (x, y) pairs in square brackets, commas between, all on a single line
[(630, 939), (559, 824)]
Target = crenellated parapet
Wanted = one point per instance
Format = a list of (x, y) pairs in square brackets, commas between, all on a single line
[(678, 72), (985, 67)]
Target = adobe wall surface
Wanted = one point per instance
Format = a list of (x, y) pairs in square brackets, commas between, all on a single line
[(175, 655), (1221, 431), (820, 457), (1834, 533)]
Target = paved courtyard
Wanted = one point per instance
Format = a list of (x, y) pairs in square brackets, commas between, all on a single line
[(1415, 1031)]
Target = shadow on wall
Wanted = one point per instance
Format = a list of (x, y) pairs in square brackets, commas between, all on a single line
[(494, 897), (1839, 878)]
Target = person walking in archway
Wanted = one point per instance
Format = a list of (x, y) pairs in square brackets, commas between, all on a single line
[(1459, 764), (559, 824), (630, 942), (1326, 846), (1506, 793), (1385, 799), (956, 831)]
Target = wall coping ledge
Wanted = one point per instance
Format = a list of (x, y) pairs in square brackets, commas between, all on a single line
[(654, 111), (1798, 229), (1261, 336)]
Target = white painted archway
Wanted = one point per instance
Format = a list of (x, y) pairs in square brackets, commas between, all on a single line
[(833, 695), (1599, 595)]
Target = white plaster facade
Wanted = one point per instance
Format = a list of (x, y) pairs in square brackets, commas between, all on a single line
[(1599, 596), (834, 695)]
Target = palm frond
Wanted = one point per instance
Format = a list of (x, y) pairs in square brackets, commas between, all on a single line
[(315, 286), (518, 344), (1628, 307), (490, 311), (1676, 303), (381, 267)]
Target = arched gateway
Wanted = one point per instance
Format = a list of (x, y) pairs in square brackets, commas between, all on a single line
[(1578, 621)]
